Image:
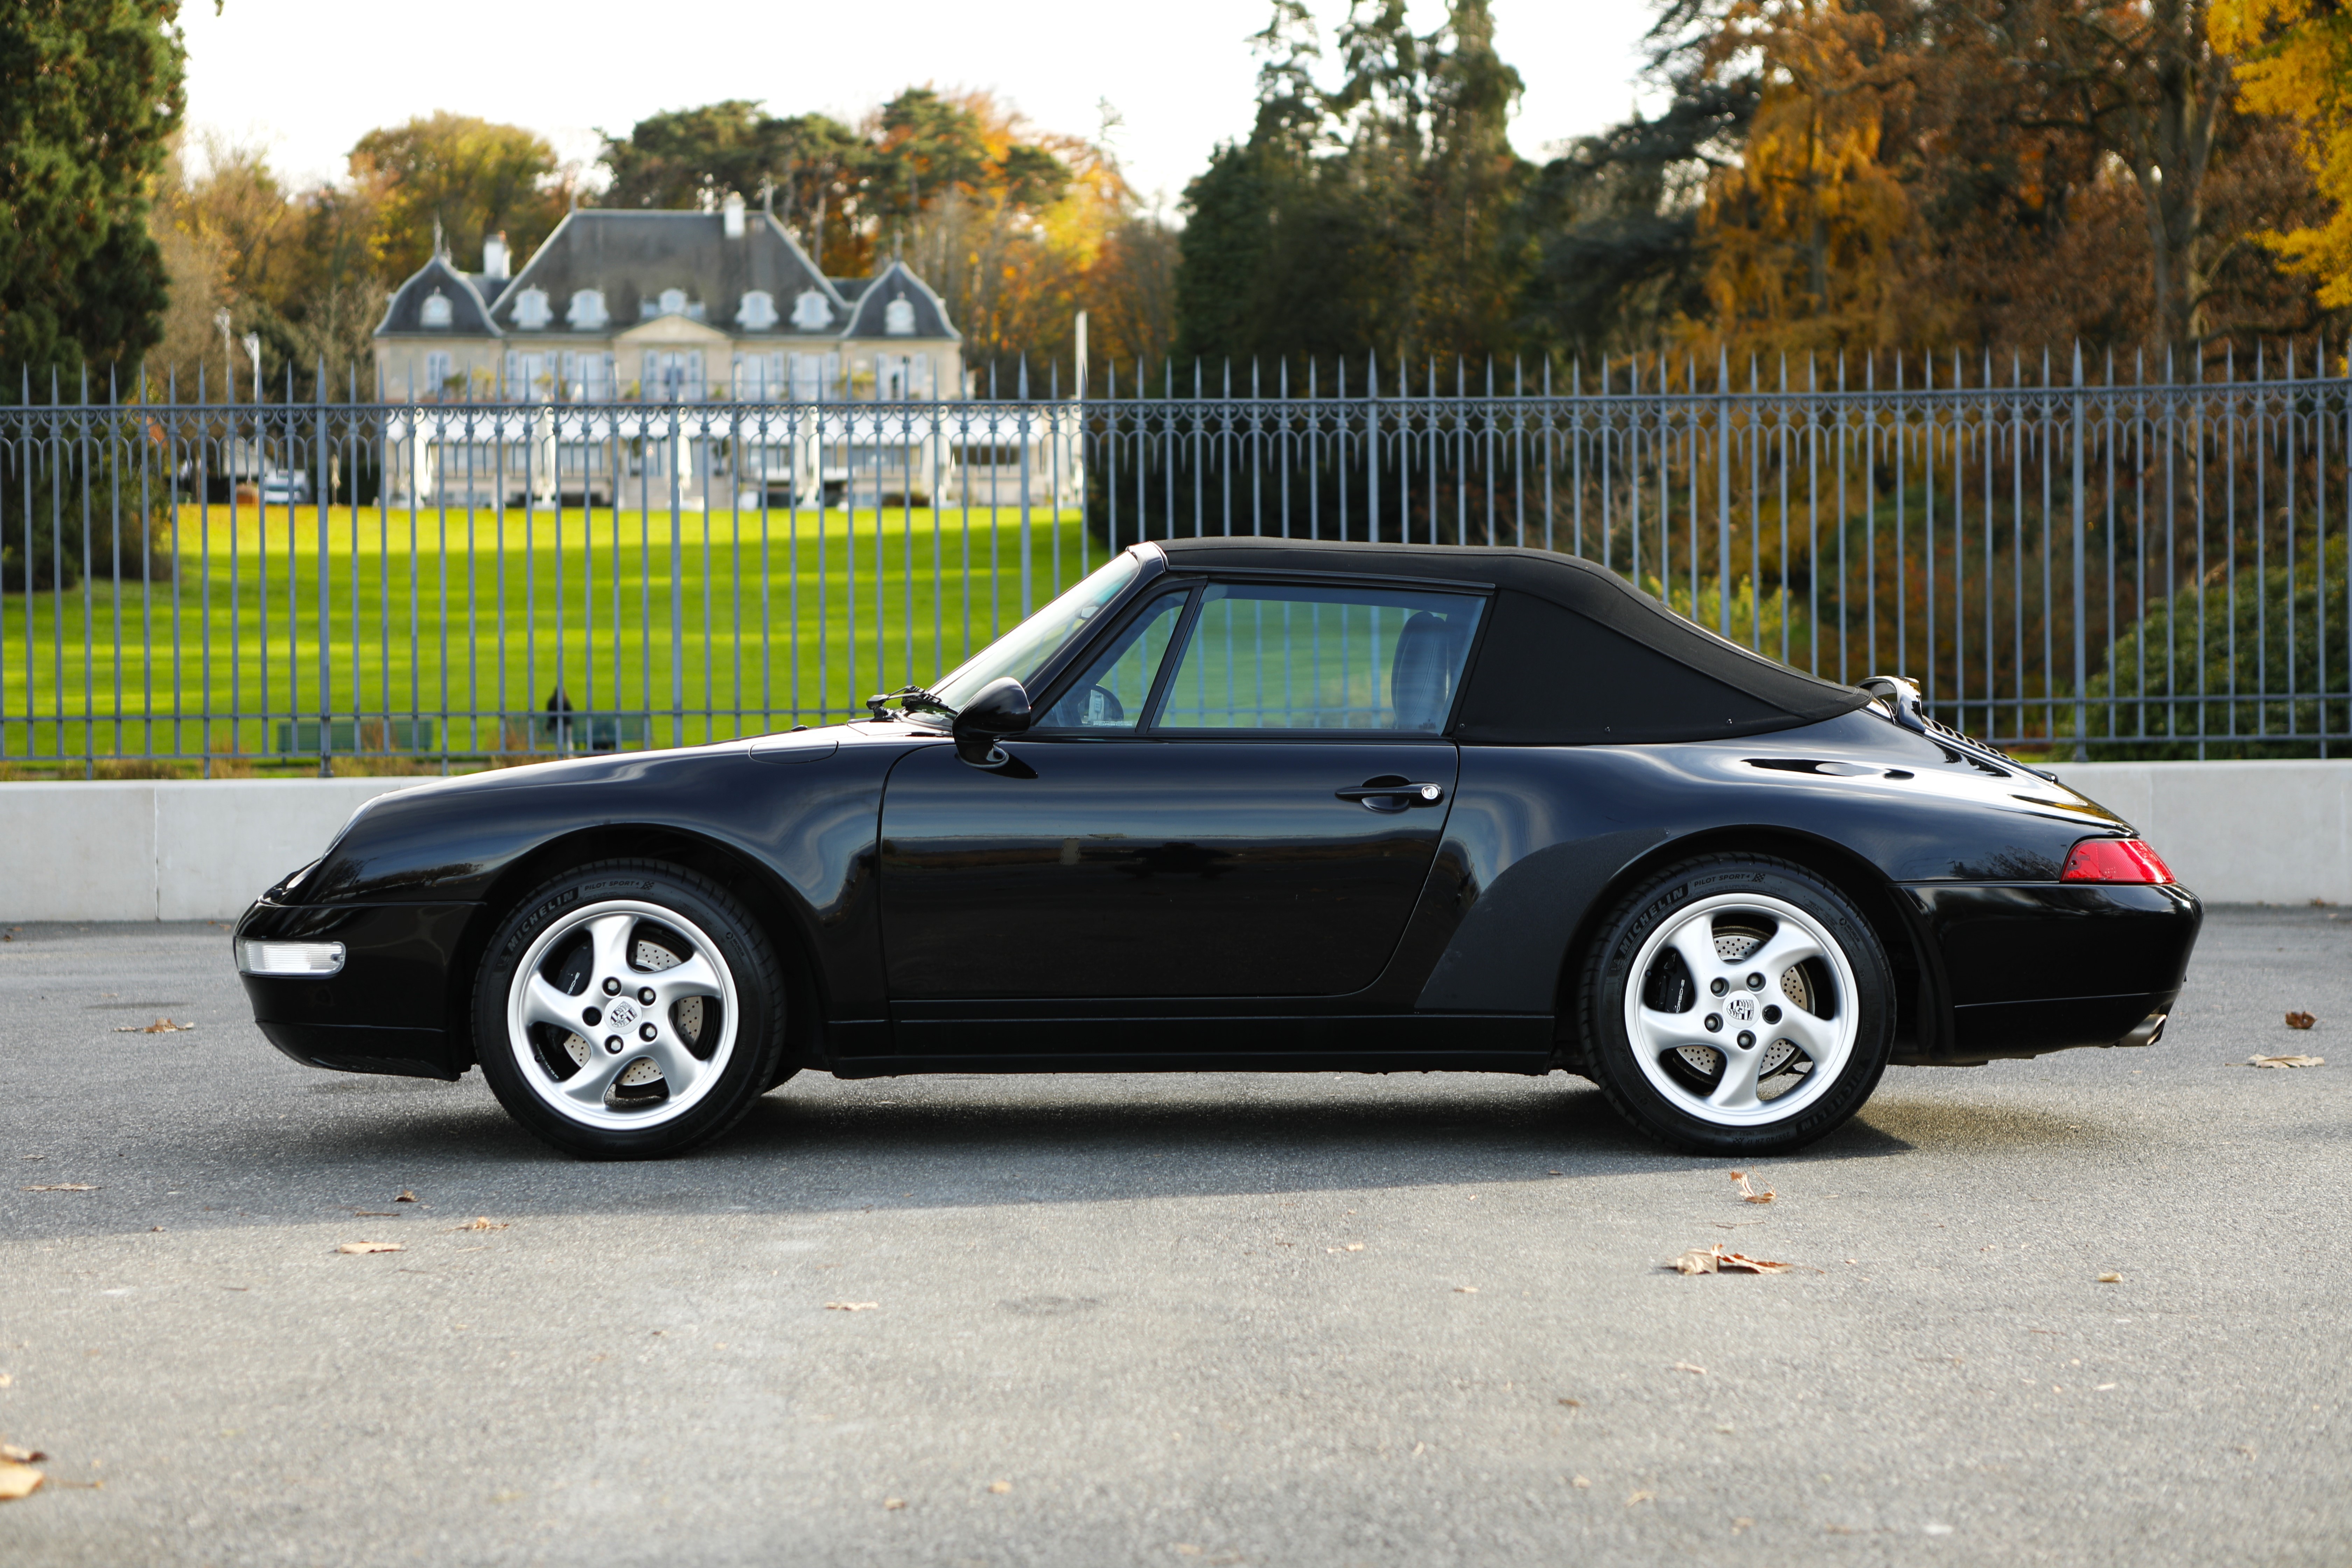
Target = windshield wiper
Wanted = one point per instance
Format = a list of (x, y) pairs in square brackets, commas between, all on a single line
[(907, 696)]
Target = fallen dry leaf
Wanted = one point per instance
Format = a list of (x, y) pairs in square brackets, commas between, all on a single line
[(160, 1026), (1573, 1404), (1685, 1366), (18, 1480), (2300, 1020), (64, 1188), (2111, 1278), (6, 1379), (1748, 1193), (482, 1222), (21, 1455), (2286, 1061), (406, 1196), (1466, 1290), (371, 1246), (851, 1306), (1000, 1488), (894, 1502), (1717, 1260), (1580, 1483), (1640, 1497)]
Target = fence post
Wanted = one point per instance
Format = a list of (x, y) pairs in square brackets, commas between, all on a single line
[(2081, 662), (677, 592), (1722, 492), (321, 499)]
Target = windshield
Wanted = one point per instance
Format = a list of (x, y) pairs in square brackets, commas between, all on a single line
[(1028, 647)]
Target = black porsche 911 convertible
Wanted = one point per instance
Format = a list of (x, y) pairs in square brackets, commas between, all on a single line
[(1250, 804)]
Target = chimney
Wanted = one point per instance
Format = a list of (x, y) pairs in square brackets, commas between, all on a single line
[(494, 255), (732, 211)]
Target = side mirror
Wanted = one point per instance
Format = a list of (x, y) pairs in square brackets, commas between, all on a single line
[(1000, 708)]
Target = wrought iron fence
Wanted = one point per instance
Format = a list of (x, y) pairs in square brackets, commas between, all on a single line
[(2071, 558)]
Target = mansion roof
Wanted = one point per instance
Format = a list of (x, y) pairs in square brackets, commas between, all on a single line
[(604, 271)]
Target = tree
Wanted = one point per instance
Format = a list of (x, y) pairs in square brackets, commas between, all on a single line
[(89, 96), (693, 157), (459, 178), (296, 269), (2145, 82), (1385, 212), (2296, 61), (1806, 229)]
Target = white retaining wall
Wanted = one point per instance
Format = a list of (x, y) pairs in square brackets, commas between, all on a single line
[(163, 850), (2236, 832)]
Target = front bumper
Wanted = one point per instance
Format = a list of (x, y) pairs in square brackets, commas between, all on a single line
[(392, 1009), (2036, 967)]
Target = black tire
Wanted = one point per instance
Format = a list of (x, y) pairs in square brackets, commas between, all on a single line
[(1672, 1098), (561, 929)]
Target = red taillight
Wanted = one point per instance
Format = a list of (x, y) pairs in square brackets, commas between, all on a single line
[(2114, 861)]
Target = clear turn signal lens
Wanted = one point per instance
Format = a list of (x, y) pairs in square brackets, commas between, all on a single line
[(2114, 860), (310, 957)]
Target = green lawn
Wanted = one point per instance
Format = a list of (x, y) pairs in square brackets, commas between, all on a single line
[(468, 622)]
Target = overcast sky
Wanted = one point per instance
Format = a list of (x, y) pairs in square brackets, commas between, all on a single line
[(307, 79)]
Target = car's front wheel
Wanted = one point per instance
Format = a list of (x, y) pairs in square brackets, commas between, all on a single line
[(628, 1010), (1737, 1005)]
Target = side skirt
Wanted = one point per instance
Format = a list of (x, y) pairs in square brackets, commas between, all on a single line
[(1205, 1043), (1530, 1064)]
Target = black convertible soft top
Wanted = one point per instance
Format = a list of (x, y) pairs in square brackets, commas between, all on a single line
[(1574, 655)]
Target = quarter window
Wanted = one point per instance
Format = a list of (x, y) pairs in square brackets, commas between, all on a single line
[(1286, 657), (1112, 693)]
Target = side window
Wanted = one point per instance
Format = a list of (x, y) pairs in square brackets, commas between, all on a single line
[(1283, 657), (1111, 694)]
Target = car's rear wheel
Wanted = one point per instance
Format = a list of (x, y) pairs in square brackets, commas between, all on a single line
[(1737, 1005), (629, 1010)]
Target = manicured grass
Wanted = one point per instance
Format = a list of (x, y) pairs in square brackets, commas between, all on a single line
[(747, 622)]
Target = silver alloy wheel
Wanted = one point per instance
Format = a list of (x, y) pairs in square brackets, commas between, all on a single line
[(1784, 1017), (642, 1062)]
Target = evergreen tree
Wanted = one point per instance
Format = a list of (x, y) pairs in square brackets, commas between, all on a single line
[(89, 96)]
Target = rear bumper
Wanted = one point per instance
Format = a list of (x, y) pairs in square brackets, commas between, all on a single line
[(2036, 967), (393, 1009)]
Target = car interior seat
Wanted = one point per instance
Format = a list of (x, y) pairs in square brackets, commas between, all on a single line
[(1422, 672)]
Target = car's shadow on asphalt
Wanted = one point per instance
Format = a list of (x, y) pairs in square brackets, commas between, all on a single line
[(820, 1147)]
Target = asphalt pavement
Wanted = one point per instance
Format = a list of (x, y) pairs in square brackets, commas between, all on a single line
[(1314, 1320)]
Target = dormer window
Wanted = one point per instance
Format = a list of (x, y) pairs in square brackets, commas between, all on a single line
[(530, 310), (587, 312), (437, 311), (899, 319), (812, 311), (672, 304), (756, 313)]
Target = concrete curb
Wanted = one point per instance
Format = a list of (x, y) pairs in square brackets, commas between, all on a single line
[(2276, 833)]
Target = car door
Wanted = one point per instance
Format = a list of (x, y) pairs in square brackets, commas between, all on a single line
[(1239, 795)]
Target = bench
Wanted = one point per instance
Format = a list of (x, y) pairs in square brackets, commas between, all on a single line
[(349, 737)]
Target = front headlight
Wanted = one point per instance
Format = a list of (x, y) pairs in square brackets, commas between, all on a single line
[(302, 957)]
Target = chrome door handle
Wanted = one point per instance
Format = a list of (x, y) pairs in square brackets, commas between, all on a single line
[(1393, 797)]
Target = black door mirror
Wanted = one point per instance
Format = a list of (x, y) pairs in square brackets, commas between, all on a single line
[(1000, 708)]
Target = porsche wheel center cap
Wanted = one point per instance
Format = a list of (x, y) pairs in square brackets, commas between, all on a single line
[(623, 1013), (1740, 1007)]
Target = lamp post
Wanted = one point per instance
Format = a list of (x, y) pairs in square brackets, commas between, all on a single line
[(228, 351)]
